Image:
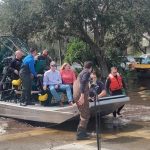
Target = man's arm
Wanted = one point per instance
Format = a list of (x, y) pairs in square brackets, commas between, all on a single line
[(45, 81), (83, 81), (59, 78), (32, 69), (101, 90)]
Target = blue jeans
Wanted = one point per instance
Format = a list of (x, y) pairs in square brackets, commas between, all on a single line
[(62, 87)]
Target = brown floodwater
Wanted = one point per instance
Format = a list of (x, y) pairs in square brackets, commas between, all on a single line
[(138, 109)]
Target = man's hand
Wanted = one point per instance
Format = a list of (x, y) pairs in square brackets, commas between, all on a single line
[(39, 75), (32, 76), (16, 72), (44, 88), (81, 100), (91, 99), (56, 86)]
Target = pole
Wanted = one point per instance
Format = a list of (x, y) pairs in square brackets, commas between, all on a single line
[(97, 120)]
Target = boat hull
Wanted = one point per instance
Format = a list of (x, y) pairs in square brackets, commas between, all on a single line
[(56, 114)]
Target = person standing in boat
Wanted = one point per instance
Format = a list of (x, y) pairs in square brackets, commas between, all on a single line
[(67, 74), (96, 85), (27, 73), (12, 70), (15, 65), (115, 86), (42, 62), (52, 78), (80, 95)]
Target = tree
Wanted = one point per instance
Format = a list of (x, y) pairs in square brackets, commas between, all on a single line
[(21, 18), (100, 23), (77, 51)]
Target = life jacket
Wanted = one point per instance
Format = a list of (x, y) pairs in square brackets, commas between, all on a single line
[(115, 83)]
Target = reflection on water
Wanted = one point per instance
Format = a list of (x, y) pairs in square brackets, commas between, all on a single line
[(3, 126), (136, 84), (8, 125)]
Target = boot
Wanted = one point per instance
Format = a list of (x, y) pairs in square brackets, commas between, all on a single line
[(82, 134)]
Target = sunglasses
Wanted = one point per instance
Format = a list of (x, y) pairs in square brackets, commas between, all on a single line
[(53, 66)]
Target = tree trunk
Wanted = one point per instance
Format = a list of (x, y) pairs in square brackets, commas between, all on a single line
[(101, 61), (60, 52), (98, 53)]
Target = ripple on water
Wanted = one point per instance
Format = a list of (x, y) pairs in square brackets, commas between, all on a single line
[(3, 126), (137, 112)]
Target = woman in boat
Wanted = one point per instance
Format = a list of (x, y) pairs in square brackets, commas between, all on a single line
[(67, 74), (96, 85)]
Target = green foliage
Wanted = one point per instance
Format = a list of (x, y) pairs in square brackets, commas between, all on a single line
[(104, 24), (77, 51), (20, 17)]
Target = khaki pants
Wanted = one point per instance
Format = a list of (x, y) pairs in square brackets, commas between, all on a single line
[(84, 109)]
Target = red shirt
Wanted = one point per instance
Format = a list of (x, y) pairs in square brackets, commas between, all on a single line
[(68, 76)]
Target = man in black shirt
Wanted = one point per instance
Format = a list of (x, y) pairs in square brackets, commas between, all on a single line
[(80, 95), (15, 65)]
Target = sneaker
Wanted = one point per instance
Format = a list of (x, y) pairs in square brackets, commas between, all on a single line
[(23, 104), (70, 103)]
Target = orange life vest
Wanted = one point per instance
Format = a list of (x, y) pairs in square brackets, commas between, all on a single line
[(115, 83)]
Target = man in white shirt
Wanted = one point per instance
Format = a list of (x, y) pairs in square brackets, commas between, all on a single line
[(52, 79)]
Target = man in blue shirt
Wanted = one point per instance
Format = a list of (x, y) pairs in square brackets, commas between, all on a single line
[(27, 73)]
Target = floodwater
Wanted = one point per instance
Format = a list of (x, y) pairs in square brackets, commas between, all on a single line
[(129, 132)]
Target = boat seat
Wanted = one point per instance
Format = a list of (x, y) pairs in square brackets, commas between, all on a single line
[(51, 101)]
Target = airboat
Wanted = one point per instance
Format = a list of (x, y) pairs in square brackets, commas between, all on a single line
[(57, 114), (10, 106)]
